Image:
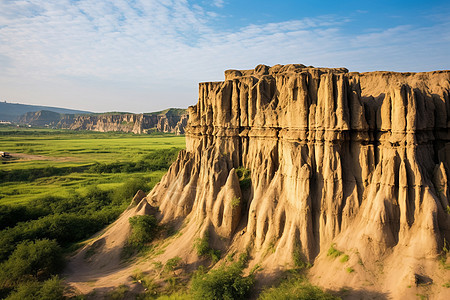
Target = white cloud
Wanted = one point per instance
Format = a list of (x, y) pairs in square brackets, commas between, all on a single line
[(218, 3), (99, 52)]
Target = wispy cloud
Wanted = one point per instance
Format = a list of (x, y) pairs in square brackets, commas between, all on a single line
[(160, 49), (218, 3)]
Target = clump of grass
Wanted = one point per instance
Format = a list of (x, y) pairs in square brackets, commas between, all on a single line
[(235, 202), (157, 265), (295, 286), (333, 252), (350, 270), (118, 293), (203, 249), (172, 264), (224, 282), (344, 258), (444, 255), (245, 180), (300, 260), (148, 283), (422, 297), (230, 257)]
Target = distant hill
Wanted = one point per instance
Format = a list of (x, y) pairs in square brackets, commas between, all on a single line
[(169, 112), (172, 120), (12, 111)]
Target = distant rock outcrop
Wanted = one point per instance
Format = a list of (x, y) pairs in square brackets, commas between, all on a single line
[(170, 121), (358, 160), (44, 118)]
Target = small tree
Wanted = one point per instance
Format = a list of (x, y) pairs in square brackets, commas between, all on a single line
[(143, 229), (38, 259), (51, 289)]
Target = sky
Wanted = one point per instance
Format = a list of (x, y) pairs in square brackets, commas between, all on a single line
[(148, 55)]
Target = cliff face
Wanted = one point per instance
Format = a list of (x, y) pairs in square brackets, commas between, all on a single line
[(136, 123), (166, 121), (356, 159), (44, 118)]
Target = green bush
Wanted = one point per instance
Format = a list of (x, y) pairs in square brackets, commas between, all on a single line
[(300, 260), (38, 259), (295, 288), (118, 293), (11, 215), (64, 228), (143, 229), (245, 180), (51, 289), (203, 249), (333, 252), (172, 264), (128, 190), (344, 258), (66, 220), (222, 283)]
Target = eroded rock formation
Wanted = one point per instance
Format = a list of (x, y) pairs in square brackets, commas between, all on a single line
[(169, 121), (357, 159), (136, 123)]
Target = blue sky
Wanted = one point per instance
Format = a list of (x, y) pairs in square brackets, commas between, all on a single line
[(147, 55)]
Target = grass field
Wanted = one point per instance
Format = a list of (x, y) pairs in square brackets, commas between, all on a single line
[(60, 187), (68, 156)]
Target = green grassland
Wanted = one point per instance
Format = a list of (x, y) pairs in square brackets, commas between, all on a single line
[(60, 187), (70, 156)]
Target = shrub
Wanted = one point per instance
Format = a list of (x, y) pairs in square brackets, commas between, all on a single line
[(295, 287), (176, 296), (143, 229), (51, 289), (128, 190), (172, 264), (11, 215), (300, 260), (444, 255), (222, 283), (245, 180), (235, 202), (38, 259), (344, 258), (350, 270), (333, 252), (118, 293), (203, 248)]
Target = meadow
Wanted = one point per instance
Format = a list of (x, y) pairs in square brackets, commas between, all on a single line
[(61, 162), (60, 187)]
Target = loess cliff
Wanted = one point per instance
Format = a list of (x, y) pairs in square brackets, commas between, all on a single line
[(356, 162), (295, 163)]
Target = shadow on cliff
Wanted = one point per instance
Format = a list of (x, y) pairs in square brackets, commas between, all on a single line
[(347, 293)]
